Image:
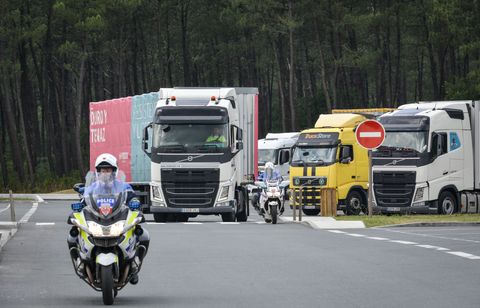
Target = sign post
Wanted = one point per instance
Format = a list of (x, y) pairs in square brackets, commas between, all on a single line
[(370, 134)]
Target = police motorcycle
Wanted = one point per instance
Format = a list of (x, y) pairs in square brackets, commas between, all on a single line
[(271, 202), (107, 253)]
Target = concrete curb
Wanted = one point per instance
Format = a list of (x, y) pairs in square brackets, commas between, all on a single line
[(33, 197), (317, 222), (43, 197), (432, 224)]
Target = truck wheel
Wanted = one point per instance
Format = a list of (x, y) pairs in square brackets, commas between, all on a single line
[(447, 203), (354, 203), (311, 212), (228, 217), (160, 217), (182, 218), (242, 215)]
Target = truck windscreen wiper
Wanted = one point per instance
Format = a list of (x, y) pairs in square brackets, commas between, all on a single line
[(173, 148), (317, 161), (207, 148), (298, 161)]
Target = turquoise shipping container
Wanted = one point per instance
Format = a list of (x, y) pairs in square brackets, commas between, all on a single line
[(143, 110)]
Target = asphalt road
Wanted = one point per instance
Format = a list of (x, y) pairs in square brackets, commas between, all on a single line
[(209, 264)]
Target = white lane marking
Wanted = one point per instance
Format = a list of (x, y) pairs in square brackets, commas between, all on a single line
[(229, 223), (192, 223), (355, 235), (455, 253), (155, 223), (8, 206), (433, 247), (464, 255), (29, 214), (44, 223), (403, 242), (434, 236), (370, 134), (260, 222)]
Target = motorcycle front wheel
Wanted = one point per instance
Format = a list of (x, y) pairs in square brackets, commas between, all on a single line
[(106, 275), (274, 213)]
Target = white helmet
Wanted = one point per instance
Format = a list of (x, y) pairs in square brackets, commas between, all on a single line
[(106, 160)]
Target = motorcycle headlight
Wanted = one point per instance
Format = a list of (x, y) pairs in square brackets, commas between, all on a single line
[(224, 193), (156, 193), (98, 230)]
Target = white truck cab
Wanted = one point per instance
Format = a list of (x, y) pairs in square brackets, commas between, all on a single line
[(203, 152), (429, 161), (275, 148)]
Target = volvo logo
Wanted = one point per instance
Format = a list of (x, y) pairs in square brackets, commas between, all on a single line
[(190, 158)]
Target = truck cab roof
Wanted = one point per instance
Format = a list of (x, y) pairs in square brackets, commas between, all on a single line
[(339, 120), (278, 140)]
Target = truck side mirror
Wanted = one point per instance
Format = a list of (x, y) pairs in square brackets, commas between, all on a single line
[(145, 139), (346, 155), (239, 145), (439, 145), (284, 156), (239, 134)]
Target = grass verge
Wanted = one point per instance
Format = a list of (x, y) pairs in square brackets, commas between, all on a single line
[(383, 220)]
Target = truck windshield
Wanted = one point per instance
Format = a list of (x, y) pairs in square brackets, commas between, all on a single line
[(267, 155), (412, 141), (321, 156), (190, 138)]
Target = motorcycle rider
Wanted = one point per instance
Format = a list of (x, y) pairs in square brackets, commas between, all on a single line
[(106, 171), (269, 174)]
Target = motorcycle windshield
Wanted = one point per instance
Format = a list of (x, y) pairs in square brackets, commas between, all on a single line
[(104, 195)]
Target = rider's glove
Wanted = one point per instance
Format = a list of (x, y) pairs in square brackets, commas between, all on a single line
[(134, 204)]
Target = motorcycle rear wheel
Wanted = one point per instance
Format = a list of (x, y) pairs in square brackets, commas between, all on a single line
[(106, 275)]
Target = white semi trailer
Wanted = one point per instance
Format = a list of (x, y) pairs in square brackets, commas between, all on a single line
[(203, 152), (430, 159)]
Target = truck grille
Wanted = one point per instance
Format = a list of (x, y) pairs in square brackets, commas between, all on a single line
[(190, 188), (309, 181), (394, 189)]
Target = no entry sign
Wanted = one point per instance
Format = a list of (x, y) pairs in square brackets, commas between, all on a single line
[(370, 134)]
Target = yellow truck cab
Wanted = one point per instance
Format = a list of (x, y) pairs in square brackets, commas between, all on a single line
[(328, 156)]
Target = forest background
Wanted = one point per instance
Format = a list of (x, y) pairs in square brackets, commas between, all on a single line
[(305, 56)]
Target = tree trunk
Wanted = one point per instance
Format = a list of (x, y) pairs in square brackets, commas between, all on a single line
[(3, 146), (78, 117), (433, 63), (184, 32), (281, 81), (322, 68), (291, 82), (12, 133)]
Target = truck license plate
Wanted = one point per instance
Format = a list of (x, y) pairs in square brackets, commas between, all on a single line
[(309, 207), (190, 210), (393, 209)]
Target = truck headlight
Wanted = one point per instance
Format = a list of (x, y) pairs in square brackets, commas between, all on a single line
[(419, 194), (224, 193), (156, 193)]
